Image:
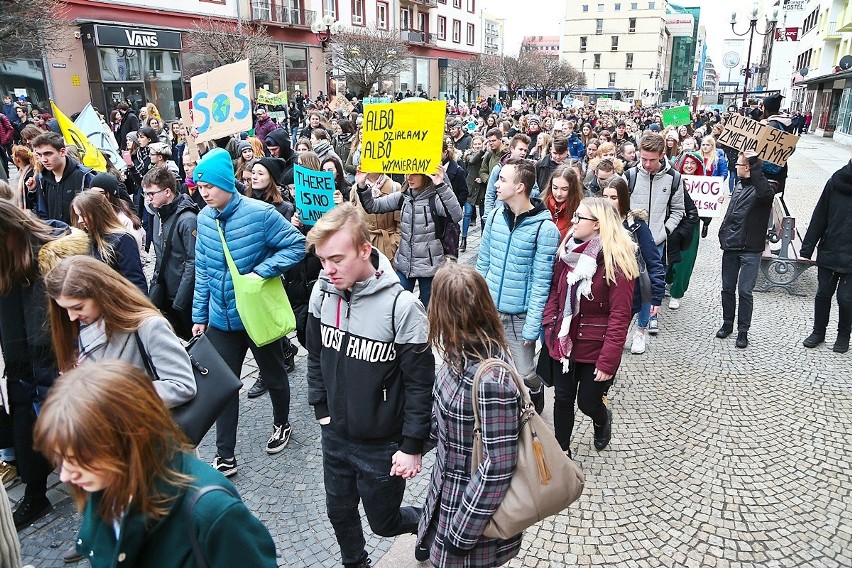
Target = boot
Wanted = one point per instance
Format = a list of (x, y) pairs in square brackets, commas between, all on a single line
[(603, 433), (813, 340), (463, 244), (841, 344)]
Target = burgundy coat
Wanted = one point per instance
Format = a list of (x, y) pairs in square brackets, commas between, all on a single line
[(600, 329)]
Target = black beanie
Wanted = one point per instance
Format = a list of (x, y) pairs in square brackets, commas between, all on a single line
[(275, 167), (107, 182)]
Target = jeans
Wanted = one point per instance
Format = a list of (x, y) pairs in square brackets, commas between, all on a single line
[(578, 383), (643, 316), (232, 346), (828, 282), (294, 136), (425, 286), (522, 355), (352, 472), (468, 215), (732, 181), (739, 273)]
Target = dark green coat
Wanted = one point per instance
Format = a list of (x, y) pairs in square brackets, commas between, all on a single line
[(227, 531)]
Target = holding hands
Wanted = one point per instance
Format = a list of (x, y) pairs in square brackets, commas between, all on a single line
[(406, 465)]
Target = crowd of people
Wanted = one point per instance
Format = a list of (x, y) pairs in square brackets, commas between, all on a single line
[(585, 227)]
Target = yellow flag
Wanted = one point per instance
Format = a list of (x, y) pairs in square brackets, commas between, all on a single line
[(89, 154)]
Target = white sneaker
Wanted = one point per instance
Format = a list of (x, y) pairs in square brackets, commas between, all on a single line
[(674, 304), (638, 345)]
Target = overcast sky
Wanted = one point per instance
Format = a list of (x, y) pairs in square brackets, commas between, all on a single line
[(537, 17)]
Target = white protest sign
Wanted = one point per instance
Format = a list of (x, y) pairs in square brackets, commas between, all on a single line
[(221, 101), (705, 191)]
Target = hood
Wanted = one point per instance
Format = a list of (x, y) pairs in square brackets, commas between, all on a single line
[(383, 277), (701, 171), (51, 253), (180, 204), (783, 118), (279, 135), (841, 180), (666, 167), (639, 214)]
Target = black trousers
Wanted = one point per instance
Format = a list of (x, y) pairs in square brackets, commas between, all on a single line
[(233, 346), (32, 465), (577, 384), (829, 282)]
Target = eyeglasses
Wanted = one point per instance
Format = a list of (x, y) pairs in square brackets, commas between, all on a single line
[(153, 193), (576, 218)]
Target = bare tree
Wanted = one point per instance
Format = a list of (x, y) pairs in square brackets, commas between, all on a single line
[(29, 28), (518, 72), (365, 56), (480, 71), (222, 42), (553, 74)]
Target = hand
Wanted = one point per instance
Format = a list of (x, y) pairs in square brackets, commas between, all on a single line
[(295, 221), (199, 328), (31, 183), (527, 343), (325, 421), (406, 465), (338, 197), (438, 176), (360, 178), (478, 180), (600, 376), (655, 310), (749, 153)]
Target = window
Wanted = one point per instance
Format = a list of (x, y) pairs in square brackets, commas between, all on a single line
[(650, 5), (611, 80), (155, 62), (471, 6), (456, 31), (614, 43), (631, 26), (176, 61), (382, 15), (442, 28), (598, 26), (597, 61), (329, 7), (583, 43), (617, 7), (457, 4), (471, 34), (585, 7), (634, 5), (405, 19), (357, 12), (629, 63), (600, 7), (423, 22)]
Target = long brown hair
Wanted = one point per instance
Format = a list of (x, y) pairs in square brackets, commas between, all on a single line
[(123, 307), (108, 418), (100, 220), (21, 234), (575, 195), (463, 322), (272, 192)]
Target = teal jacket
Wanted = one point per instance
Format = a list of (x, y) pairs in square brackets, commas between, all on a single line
[(227, 531)]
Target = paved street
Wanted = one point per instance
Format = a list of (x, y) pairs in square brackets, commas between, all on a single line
[(719, 457)]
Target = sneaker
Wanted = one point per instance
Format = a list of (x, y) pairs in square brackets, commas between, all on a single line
[(258, 389), (279, 439), (421, 552), (226, 467), (8, 473), (653, 326), (638, 346), (674, 304), (30, 510)]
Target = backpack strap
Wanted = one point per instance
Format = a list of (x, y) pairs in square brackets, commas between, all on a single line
[(676, 179), (189, 509), (393, 312), (631, 180)]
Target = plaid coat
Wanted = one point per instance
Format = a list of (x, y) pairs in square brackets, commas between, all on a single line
[(459, 505)]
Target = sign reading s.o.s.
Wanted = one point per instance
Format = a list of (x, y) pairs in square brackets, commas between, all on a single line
[(221, 101)]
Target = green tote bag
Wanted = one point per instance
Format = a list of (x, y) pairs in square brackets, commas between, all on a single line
[(262, 303)]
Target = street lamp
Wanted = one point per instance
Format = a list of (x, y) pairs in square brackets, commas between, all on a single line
[(326, 27), (754, 13)]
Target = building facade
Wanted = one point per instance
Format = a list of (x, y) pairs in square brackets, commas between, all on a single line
[(617, 44), (682, 25), (492, 34)]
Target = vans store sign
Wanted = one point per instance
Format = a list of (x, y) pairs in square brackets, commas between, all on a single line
[(115, 36)]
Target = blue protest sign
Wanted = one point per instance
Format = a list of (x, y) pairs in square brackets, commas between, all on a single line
[(314, 194)]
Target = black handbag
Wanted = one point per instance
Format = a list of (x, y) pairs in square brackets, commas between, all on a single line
[(215, 382)]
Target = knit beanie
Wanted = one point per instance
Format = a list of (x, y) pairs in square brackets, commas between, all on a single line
[(275, 167), (244, 145), (106, 182), (216, 169)]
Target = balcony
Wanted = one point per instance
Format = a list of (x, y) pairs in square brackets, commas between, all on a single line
[(427, 3), (416, 36), (278, 13), (844, 20), (831, 31)]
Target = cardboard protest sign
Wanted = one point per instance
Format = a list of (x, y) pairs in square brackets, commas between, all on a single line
[(603, 105), (314, 194), (341, 104), (677, 116), (705, 191), (771, 144), (621, 106), (191, 135), (279, 115), (265, 97), (403, 138), (220, 101)]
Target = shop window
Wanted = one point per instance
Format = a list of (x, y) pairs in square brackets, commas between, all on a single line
[(119, 64)]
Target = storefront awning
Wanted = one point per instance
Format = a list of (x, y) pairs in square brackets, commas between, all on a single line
[(824, 78)]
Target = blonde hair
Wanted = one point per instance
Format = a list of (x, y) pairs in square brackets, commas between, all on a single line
[(310, 160), (606, 148), (345, 216), (618, 248), (714, 155)]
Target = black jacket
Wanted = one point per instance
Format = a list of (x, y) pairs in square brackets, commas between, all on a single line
[(830, 226), (680, 239), (178, 275), (544, 168), (458, 180), (55, 197), (745, 222), (126, 260), (129, 123), (464, 142)]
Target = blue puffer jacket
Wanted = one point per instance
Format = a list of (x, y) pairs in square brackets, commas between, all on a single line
[(517, 263), (260, 240)]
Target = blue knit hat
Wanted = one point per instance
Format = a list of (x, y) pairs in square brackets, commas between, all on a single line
[(216, 169)]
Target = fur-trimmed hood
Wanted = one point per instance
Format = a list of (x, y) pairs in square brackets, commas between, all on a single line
[(77, 242)]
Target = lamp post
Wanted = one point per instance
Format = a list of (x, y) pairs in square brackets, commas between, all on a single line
[(754, 13), (324, 29)]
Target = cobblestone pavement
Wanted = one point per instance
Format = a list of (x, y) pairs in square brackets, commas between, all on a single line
[(719, 456)]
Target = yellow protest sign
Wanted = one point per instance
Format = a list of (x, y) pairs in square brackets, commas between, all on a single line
[(772, 145), (90, 156), (403, 138), (265, 97)]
